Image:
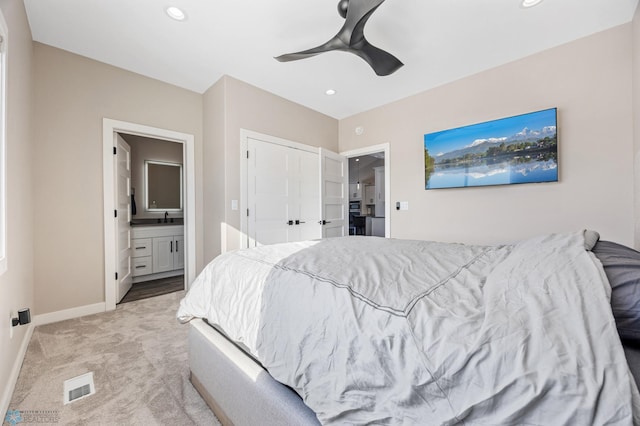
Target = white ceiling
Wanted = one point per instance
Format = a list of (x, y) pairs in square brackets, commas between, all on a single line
[(438, 40)]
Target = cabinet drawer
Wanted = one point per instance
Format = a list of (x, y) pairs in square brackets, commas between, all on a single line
[(141, 266), (141, 247)]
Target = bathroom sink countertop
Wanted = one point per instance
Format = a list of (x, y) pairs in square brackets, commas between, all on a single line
[(157, 222)]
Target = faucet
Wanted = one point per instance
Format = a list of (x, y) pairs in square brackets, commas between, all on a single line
[(165, 216)]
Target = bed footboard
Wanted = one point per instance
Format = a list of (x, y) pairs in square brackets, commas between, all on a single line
[(236, 388)]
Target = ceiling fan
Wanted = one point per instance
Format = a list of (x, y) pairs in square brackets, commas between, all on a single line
[(351, 39)]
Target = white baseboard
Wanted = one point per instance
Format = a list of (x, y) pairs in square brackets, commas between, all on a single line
[(15, 372), (71, 313)]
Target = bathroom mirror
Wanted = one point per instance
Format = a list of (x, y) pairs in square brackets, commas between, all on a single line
[(163, 186)]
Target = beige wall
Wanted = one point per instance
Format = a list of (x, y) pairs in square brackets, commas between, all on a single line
[(73, 94), (588, 80), (250, 108), (636, 119), (143, 149), (16, 285), (214, 131)]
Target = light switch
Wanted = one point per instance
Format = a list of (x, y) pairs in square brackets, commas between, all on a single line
[(234, 204), (404, 205)]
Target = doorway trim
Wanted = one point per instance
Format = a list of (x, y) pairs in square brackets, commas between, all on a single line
[(386, 148), (109, 128)]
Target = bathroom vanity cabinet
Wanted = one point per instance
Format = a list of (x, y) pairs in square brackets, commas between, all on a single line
[(157, 251)]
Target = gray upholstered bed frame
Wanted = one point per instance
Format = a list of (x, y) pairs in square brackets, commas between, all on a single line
[(240, 392), (237, 389)]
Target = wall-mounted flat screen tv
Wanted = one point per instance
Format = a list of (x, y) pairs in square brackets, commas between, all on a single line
[(518, 149)]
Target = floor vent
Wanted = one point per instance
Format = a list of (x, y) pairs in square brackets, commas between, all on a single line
[(78, 387)]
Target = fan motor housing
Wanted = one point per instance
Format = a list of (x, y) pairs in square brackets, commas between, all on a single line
[(343, 5)]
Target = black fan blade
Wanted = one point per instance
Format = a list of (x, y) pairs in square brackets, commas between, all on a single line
[(333, 44), (382, 62), (351, 38), (359, 12), (358, 9)]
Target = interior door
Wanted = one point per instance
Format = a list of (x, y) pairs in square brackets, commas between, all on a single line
[(123, 207), (304, 180), (268, 193), (335, 195), (283, 194)]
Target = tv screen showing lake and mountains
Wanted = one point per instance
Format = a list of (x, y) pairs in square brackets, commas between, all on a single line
[(518, 149)]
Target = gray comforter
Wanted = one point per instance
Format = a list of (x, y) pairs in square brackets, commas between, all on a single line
[(377, 331)]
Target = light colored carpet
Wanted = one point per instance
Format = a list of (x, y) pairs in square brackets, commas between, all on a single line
[(139, 357)]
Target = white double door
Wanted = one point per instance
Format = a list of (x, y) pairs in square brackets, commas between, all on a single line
[(294, 194)]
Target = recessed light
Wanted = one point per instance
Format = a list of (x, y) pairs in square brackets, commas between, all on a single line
[(175, 13), (530, 3), (330, 92)]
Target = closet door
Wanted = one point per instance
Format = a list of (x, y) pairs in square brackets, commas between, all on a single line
[(268, 193), (304, 197), (283, 194), (335, 181)]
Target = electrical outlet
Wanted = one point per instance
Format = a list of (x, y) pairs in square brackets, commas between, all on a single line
[(10, 325)]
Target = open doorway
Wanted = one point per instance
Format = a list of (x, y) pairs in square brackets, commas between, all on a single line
[(156, 219), (369, 182), (367, 195), (118, 217)]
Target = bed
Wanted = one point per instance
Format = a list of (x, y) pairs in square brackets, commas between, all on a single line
[(359, 330)]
